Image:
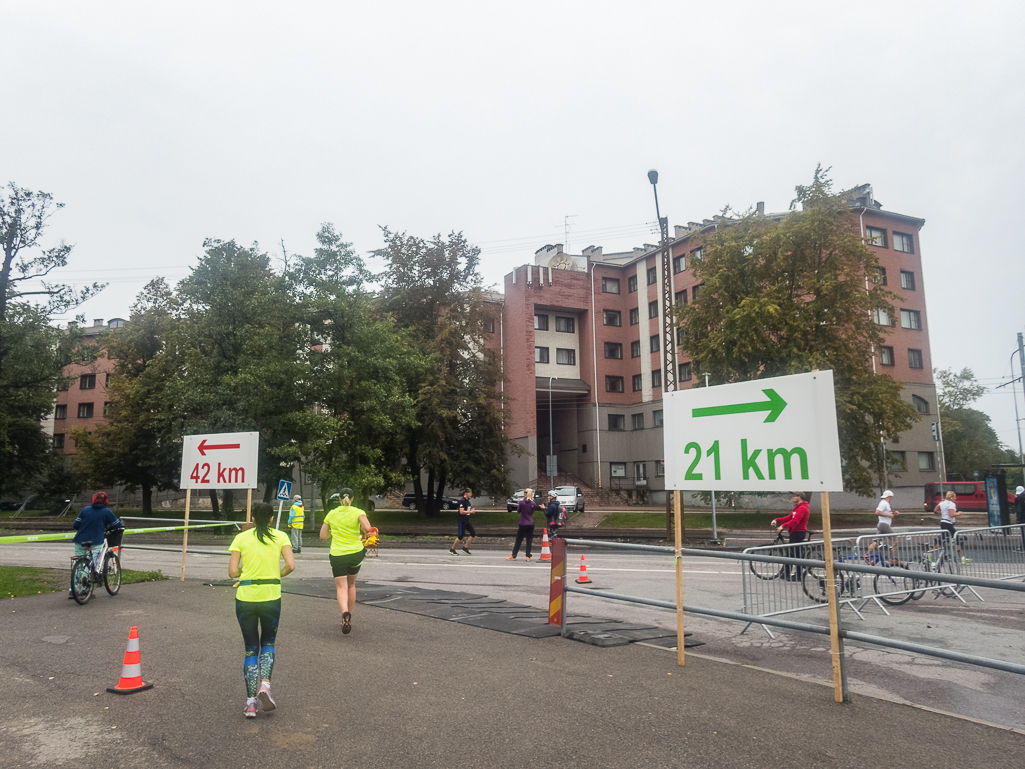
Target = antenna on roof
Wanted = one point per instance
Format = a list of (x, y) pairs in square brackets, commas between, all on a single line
[(565, 228)]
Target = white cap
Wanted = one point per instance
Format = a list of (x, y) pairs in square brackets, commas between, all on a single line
[(1019, 490), (297, 498), (886, 494)]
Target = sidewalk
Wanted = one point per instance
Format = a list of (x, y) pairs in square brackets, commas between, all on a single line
[(407, 690)]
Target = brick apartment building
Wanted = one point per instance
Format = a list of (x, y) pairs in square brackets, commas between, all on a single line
[(583, 333), (84, 402)]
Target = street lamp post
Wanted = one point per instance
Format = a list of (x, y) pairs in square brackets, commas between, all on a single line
[(551, 436), (668, 324)]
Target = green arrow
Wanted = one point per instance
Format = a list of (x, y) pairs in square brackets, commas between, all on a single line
[(774, 405)]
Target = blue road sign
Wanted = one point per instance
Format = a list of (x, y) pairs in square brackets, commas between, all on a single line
[(284, 490)]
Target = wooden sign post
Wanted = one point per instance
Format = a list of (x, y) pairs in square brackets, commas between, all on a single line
[(840, 692)]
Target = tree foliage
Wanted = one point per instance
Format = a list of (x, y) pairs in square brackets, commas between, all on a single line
[(789, 296), (32, 352), (970, 444)]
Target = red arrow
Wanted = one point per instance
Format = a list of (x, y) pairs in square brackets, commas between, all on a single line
[(203, 447)]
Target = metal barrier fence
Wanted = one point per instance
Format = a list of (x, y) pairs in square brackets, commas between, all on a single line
[(995, 552)]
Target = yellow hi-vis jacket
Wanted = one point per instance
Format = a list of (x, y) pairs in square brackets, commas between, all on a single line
[(296, 514)]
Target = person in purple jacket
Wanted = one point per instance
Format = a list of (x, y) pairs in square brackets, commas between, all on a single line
[(525, 531)]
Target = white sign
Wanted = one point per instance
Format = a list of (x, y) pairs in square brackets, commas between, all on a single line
[(220, 461), (775, 434), (284, 490)]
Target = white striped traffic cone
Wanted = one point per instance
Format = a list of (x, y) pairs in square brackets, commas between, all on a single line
[(583, 579), (546, 551), (131, 672)]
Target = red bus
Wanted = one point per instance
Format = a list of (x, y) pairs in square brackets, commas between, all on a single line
[(971, 495)]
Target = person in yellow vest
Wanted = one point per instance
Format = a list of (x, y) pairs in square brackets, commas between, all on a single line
[(343, 525), (296, 516)]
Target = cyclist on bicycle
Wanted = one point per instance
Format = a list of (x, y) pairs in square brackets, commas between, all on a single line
[(92, 523), (797, 524)]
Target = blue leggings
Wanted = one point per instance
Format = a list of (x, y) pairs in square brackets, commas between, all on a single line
[(259, 623)]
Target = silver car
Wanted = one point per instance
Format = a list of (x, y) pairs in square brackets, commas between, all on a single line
[(570, 497)]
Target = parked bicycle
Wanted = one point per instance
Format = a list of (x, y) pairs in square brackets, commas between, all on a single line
[(936, 560), (102, 567), (767, 571)]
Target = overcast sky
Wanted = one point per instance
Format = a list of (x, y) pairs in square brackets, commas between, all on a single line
[(161, 124)]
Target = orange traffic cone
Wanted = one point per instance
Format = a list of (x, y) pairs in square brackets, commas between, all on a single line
[(131, 672), (583, 579), (546, 551)]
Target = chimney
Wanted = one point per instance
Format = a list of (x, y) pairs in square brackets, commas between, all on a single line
[(760, 207), (98, 321)]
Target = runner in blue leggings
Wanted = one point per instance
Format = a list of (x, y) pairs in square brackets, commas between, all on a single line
[(256, 562)]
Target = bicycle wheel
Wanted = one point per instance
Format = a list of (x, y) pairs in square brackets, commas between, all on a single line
[(112, 573), (765, 570), (81, 581), (890, 590), (814, 584)]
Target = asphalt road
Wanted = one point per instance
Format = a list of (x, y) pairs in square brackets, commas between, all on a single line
[(488, 698)]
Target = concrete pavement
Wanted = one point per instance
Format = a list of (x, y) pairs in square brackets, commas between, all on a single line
[(409, 690)]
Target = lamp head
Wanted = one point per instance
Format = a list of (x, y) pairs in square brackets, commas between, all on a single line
[(653, 176)]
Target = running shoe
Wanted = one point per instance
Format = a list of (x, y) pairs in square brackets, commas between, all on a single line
[(250, 709), (452, 552), (266, 701), (528, 559), (467, 551), (346, 623)]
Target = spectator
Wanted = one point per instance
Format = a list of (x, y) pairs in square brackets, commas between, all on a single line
[(525, 530), (797, 524), (553, 513), (296, 518)]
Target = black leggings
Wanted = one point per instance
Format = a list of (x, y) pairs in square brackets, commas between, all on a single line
[(259, 623), (523, 532)]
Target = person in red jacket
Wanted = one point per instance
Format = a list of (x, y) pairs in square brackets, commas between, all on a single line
[(797, 524)]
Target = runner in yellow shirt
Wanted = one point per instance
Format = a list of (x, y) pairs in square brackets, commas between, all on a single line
[(256, 562), (343, 525)]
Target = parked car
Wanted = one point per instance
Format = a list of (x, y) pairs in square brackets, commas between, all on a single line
[(513, 503), (570, 497), (447, 503), (971, 495)]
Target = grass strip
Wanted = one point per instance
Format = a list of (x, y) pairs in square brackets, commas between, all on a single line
[(16, 581)]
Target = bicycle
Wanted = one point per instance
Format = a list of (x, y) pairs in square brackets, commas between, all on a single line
[(768, 571), (814, 581), (935, 560), (91, 569)]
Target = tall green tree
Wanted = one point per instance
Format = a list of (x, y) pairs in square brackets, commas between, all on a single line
[(970, 443), (140, 444), (32, 352), (433, 290), (357, 362), (789, 296)]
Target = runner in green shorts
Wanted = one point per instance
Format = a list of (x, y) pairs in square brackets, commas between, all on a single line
[(344, 525)]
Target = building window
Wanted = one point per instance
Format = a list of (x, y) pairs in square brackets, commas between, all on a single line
[(926, 460), (85, 410), (886, 356), (635, 317), (565, 357), (696, 253), (63, 386), (882, 317), (914, 358), (540, 355), (87, 382), (653, 343), (540, 322), (656, 378), (106, 408), (631, 284), (617, 422), (921, 404), (880, 277), (679, 264), (656, 418), (640, 471), (635, 348), (694, 292), (106, 377), (637, 382), (875, 237), (652, 275), (907, 280), (911, 319), (660, 467), (637, 421), (898, 460), (610, 285), (489, 326), (614, 384), (653, 309), (60, 411), (685, 372), (903, 242), (58, 440), (614, 350), (612, 317), (617, 469), (681, 297), (565, 324)]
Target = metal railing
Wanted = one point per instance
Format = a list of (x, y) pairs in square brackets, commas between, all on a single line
[(994, 552)]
